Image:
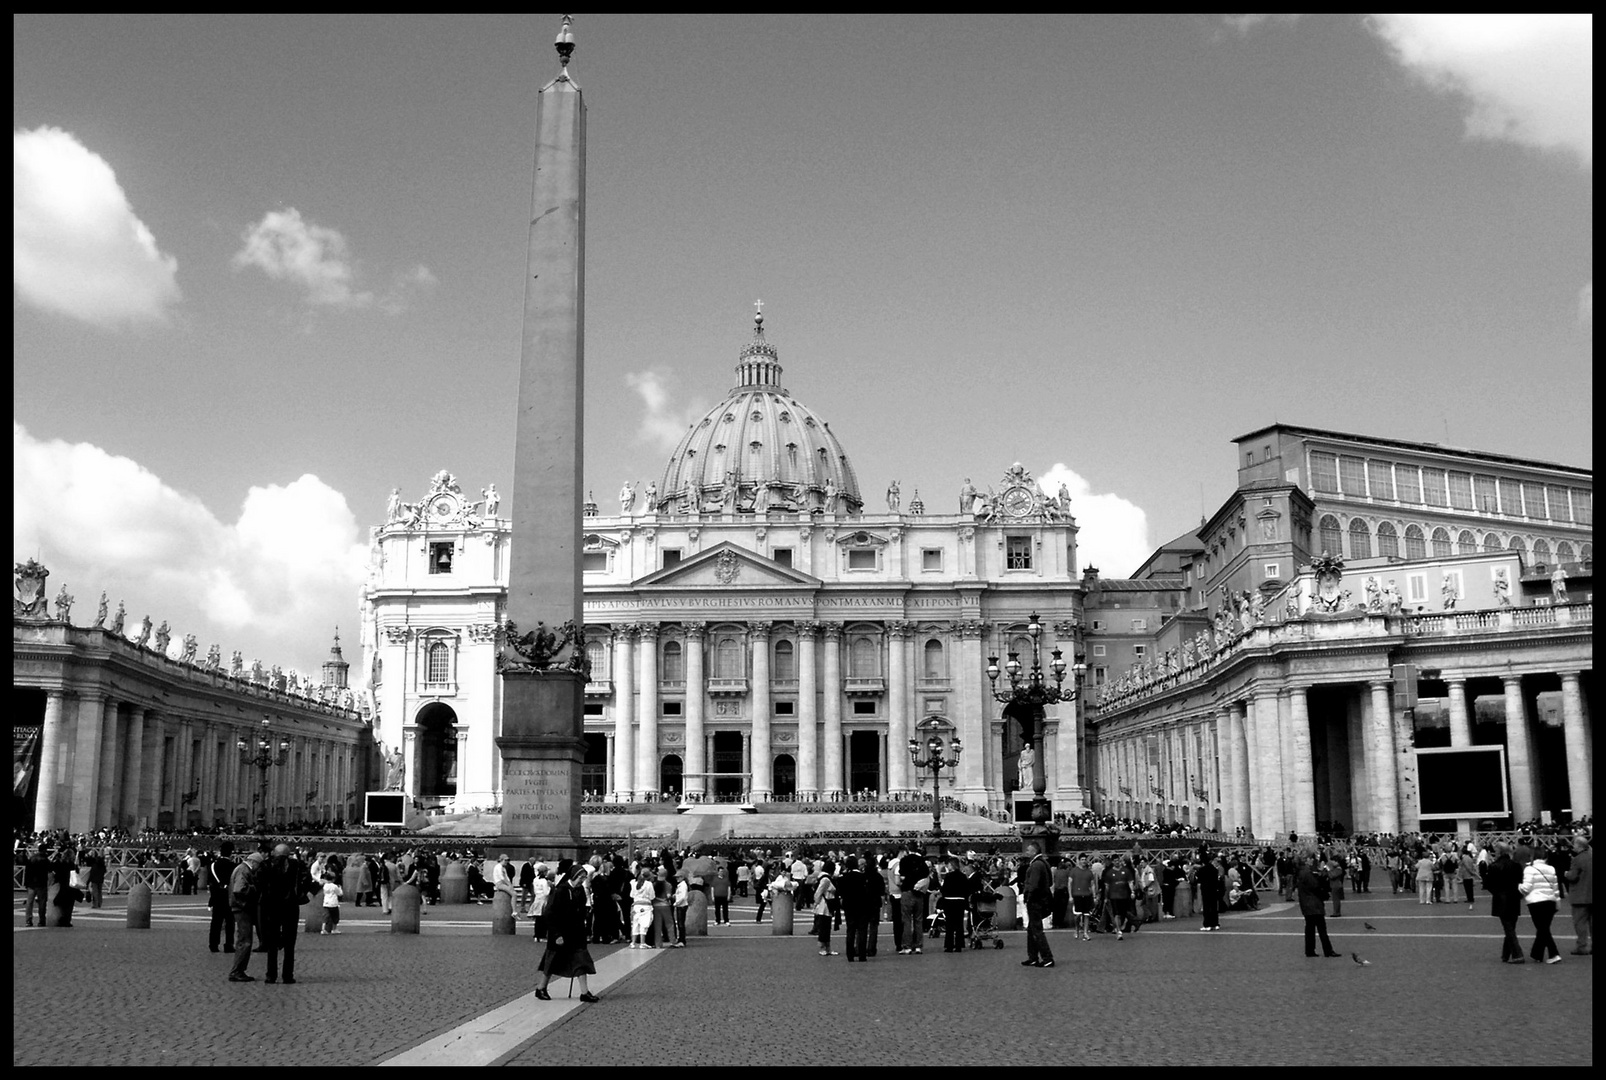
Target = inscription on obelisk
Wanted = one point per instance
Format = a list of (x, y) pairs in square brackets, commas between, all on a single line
[(541, 656)]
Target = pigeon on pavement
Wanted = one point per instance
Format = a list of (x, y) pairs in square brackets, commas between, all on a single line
[(1355, 956), (1369, 926)]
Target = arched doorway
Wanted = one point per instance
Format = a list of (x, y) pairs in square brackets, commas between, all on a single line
[(864, 761), (435, 752), (1021, 725), (784, 774), (670, 771), (594, 769)]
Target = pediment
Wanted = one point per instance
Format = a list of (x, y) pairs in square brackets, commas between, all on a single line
[(727, 566)]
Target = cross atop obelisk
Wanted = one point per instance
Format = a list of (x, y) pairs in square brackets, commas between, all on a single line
[(543, 684)]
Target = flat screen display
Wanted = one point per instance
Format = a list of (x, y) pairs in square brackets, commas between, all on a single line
[(1463, 782), (385, 808)]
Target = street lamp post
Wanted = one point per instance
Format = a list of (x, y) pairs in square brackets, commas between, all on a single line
[(939, 749), (1029, 691), (263, 758)]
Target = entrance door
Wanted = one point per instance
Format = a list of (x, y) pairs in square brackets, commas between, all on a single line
[(728, 759), (671, 770), (437, 752), (594, 770), (785, 777), (864, 761)]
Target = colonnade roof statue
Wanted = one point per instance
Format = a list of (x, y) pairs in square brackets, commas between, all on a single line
[(758, 448)]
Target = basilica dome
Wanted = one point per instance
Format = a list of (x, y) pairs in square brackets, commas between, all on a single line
[(758, 449)]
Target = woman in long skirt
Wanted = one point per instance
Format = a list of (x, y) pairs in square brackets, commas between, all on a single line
[(566, 955), (1210, 893)]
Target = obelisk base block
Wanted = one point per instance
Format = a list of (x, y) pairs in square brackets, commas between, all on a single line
[(542, 752)]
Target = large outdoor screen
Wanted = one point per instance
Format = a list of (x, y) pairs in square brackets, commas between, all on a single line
[(385, 808), (1463, 782)]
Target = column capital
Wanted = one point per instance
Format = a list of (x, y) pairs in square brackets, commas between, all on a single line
[(971, 630), (900, 630), (832, 631), (1511, 680), (625, 632), (695, 631), (759, 629), (1385, 685), (1569, 676), (648, 631), (808, 629)]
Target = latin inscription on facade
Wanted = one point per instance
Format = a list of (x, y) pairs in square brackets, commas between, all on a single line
[(880, 603)]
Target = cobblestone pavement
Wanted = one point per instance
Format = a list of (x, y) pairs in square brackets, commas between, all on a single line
[(99, 994)]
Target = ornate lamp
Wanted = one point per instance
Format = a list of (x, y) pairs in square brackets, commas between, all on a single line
[(263, 758), (939, 749), (1029, 691)]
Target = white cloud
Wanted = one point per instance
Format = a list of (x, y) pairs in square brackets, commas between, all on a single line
[(1247, 24), (1113, 533), (1529, 79), (287, 247), (275, 581), (78, 249), (663, 424), (406, 287)]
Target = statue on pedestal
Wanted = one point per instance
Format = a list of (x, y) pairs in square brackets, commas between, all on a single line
[(1502, 588), (214, 657), (190, 647), (967, 497), (63, 604), (894, 495), (830, 494), (395, 770), (493, 500), (1448, 593), (100, 613), (144, 635), (163, 636), (394, 506), (1374, 595), (627, 497), (1028, 758), (1391, 598), (1558, 586), (117, 620)]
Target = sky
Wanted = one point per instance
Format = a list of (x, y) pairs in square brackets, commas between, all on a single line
[(265, 269)]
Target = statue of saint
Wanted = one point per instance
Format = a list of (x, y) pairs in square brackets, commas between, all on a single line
[(1028, 758), (1558, 586), (1391, 598), (237, 664), (830, 494), (1502, 588), (493, 500), (100, 614), (1064, 499), (893, 497), (117, 620), (1374, 595), (1448, 593), (144, 634), (393, 507), (967, 497), (651, 496), (63, 604), (395, 770), (163, 636), (730, 492), (190, 646), (627, 497), (214, 657)]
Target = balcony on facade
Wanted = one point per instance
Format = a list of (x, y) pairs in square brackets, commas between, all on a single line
[(933, 684), (864, 685), (672, 686), (599, 688), (731, 687)]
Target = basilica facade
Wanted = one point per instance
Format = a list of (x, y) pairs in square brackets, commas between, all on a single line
[(755, 629)]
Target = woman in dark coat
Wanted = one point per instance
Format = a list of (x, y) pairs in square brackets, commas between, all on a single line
[(1210, 892), (566, 955)]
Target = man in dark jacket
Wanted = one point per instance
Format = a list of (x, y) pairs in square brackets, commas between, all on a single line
[(1037, 888), (858, 906), (218, 873), (243, 897), (286, 885), (1505, 903), (1580, 878), (1312, 886), (36, 879)]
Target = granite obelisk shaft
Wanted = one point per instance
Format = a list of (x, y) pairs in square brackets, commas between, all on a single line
[(541, 737)]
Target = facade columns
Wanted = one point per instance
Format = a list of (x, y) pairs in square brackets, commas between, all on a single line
[(624, 712), (974, 703), (51, 736), (808, 734), (1226, 760), (647, 779), (86, 760), (762, 753), (1460, 734), (1576, 732), (1519, 752), (1380, 760), (1269, 768), (897, 773), (832, 783), (1304, 780), (692, 779), (106, 787), (1247, 768)]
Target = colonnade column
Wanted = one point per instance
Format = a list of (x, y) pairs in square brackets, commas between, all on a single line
[(86, 759), (1519, 752), (974, 706), (1460, 734), (1270, 762), (1223, 761), (696, 694), (762, 753), (647, 779), (50, 740), (132, 765), (898, 706), (1304, 779), (624, 712), (808, 734), (106, 788), (1384, 785), (831, 784), (1245, 770), (1576, 733)]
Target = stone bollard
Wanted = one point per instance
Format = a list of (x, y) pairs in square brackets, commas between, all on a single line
[(502, 913), (781, 914), (454, 883), (1008, 910), (406, 905), (139, 908), (697, 914), (53, 914), (348, 882), (312, 913)]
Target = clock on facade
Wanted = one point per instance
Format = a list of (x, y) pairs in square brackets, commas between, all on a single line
[(1018, 502)]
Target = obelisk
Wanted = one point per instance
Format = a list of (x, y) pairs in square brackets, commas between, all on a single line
[(543, 684)]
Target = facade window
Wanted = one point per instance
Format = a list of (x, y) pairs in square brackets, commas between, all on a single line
[(1484, 493), (592, 708), (672, 708), (594, 562), (440, 558), (861, 559), (1324, 473), (1557, 499), (728, 659), (782, 556), (785, 660), (1533, 500), (1140, 651), (1491, 542), (1434, 487), (1098, 624), (1416, 588), (785, 708), (596, 658), (1586, 552), (1140, 626), (1466, 543), (1360, 539), (1098, 650), (864, 708), (1272, 570), (1416, 545), (1380, 479), (936, 664), (1519, 547), (1564, 552), (864, 659), (1408, 482), (1017, 553), (1331, 536), (674, 662), (438, 663), (1352, 475), (1510, 497), (1388, 541), (1461, 491), (931, 558), (1542, 552), (1101, 675), (1583, 506), (1441, 543), (670, 556)]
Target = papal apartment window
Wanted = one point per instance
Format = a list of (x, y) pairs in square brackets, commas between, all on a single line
[(782, 555), (670, 556), (861, 559), (1416, 588), (786, 708), (864, 708), (593, 708), (594, 562), (1324, 472), (438, 663), (440, 558), (672, 708), (1018, 553), (931, 558), (1140, 626)]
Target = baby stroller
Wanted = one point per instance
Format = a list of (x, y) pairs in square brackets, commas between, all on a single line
[(983, 919), (936, 923)]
